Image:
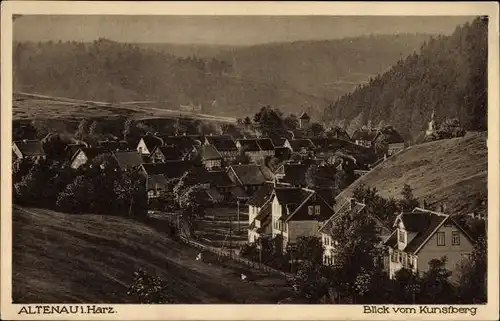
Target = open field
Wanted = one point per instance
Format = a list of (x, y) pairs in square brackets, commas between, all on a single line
[(29, 106), (215, 231), (91, 258), (451, 171)]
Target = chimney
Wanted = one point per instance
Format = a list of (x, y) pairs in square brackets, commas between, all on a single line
[(442, 208), (353, 203), (424, 206)]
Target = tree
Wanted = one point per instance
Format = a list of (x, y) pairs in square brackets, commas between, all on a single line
[(309, 248), (408, 286), (450, 128), (472, 285), (150, 289), (76, 197), (291, 122), (436, 286), (81, 132), (316, 130), (310, 283), (127, 129), (130, 190), (409, 202), (54, 145), (268, 121)]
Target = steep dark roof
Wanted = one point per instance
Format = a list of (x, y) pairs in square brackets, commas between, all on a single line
[(170, 152), (183, 143), (340, 133), (209, 152), (304, 115), (71, 149), (279, 142), (390, 135), (222, 142), (152, 141), (295, 174), (342, 210), (282, 153), (264, 211), (291, 199), (265, 144), (298, 144), (156, 180), (30, 147), (249, 145), (423, 223), (128, 159), (218, 178), (250, 174), (262, 195)]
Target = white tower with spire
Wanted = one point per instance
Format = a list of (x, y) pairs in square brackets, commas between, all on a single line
[(432, 125)]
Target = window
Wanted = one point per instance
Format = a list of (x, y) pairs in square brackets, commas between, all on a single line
[(455, 238), (310, 210), (317, 210), (400, 257), (401, 236), (394, 256), (440, 239)]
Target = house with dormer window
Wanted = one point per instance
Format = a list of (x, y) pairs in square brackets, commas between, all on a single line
[(297, 212), (423, 235)]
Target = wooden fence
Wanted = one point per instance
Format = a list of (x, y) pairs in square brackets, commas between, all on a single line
[(235, 257)]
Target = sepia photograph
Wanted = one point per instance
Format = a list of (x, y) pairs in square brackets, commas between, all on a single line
[(161, 159)]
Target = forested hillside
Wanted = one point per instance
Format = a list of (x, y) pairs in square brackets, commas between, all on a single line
[(230, 81), (449, 74)]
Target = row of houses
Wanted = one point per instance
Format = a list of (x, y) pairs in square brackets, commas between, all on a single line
[(415, 238)]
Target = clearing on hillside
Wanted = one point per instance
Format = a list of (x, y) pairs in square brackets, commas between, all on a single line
[(453, 172), (64, 258)]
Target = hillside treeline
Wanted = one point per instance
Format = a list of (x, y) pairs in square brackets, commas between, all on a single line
[(448, 75)]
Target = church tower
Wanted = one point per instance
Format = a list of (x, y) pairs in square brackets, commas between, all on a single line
[(432, 125)]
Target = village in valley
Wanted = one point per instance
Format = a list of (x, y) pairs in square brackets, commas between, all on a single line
[(271, 207)]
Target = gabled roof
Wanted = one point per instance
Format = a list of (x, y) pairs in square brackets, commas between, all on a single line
[(249, 145), (250, 174), (209, 152), (422, 223), (90, 152), (304, 115), (222, 142), (170, 152), (262, 195), (279, 142), (340, 133), (266, 144), (390, 135), (298, 144), (128, 159), (264, 211), (71, 149), (183, 143), (157, 180), (152, 141), (218, 178), (295, 174), (30, 147), (350, 207)]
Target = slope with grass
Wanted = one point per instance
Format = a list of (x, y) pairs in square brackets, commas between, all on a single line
[(91, 259), (452, 172)]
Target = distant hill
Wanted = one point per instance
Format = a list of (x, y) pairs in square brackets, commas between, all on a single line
[(449, 74), (232, 81), (64, 258), (452, 171)]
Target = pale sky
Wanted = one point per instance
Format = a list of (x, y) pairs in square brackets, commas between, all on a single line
[(223, 30)]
